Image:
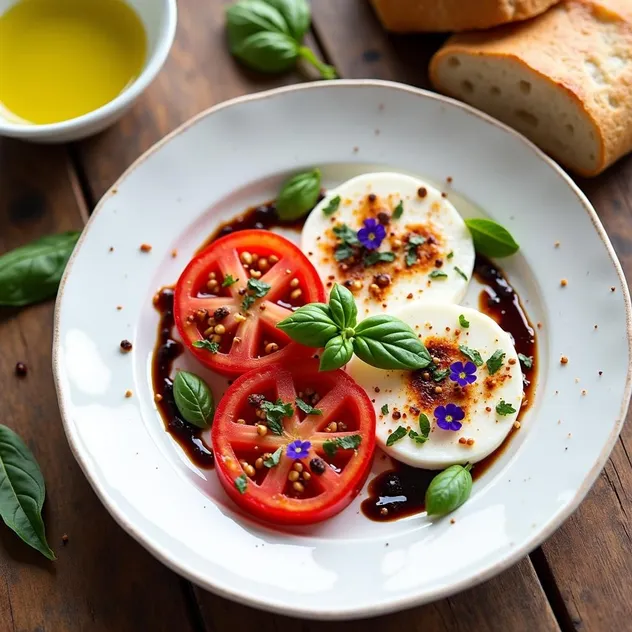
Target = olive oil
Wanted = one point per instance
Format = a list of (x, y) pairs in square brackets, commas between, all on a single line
[(60, 59)]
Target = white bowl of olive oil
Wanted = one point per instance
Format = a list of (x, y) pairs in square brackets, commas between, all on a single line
[(70, 68)]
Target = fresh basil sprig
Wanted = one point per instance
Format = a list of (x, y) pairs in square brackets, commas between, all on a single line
[(298, 195), (491, 239), (22, 492), (32, 273), (267, 35), (193, 399), (449, 490), (382, 341)]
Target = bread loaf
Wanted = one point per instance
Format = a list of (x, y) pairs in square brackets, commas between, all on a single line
[(405, 16), (563, 79)]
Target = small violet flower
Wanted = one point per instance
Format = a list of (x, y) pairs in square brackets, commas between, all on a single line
[(298, 449), (463, 374), (372, 234), (449, 417)]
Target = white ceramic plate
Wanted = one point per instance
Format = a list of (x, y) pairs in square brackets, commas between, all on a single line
[(235, 155)]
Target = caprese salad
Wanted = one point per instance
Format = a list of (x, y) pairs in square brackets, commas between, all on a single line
[(354, 340)]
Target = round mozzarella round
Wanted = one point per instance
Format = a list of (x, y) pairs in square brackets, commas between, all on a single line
[(416, 246), (471, 405)]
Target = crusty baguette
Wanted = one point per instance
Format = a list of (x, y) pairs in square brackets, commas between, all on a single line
[(563, 79), (405, 16)]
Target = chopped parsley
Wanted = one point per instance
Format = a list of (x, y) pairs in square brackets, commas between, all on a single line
[(349, 240), (350, 442), (306, 408), (399, 210), (372, 258), (461, 273), (526, 361), (471, 354), (450, 254), (495, 361), (463, 321), (503, 408), (275, 413), (255, 289), (414, 240), (213, 347), (229, 280), (424, 427), (399, 433), (438, 274), (332, 206), (274, 458), (241, 482)]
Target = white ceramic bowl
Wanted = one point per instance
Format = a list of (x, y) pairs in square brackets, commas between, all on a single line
[(159, 17)]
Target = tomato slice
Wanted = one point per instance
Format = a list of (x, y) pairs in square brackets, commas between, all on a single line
[(206, 297), (332, 481)]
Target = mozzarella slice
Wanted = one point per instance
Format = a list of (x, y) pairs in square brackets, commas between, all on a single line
[(436, 270), (407, 394)]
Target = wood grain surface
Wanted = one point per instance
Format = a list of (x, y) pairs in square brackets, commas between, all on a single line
[(102, 579)]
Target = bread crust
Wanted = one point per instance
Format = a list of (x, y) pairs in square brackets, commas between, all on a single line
[(406, 16), (581, 47)]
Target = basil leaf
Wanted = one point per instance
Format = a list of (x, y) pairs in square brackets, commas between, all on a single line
[(342, 252), (258, 288), (495, 361), (449, 490), (296, 13), (337, 353), (438, 375), (193, 399), (267, 51), (229, 280), (378, 257), (411, 249), (417, 438), (310, 325), (306, 408), (351, 442), (460, 273), (274, 458), (491, 239), (247, 17), (342, 307), (346, 235), (275, 412), (326, 71), (32, 273), (241, 483), (385, 409), (299, 195), (526, 361), (22, 492), (463, 321), (332, 206), (424, 425), (503, 408), (386, 342), (438, 274), (399, 210), (213, 347), (399, 433), (471, 354)]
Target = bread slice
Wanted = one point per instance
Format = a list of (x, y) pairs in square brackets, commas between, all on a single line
[(405, 16), (563, 79)]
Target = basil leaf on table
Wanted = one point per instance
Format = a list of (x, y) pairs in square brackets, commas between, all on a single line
[(267, 51), (337, 353), (386, 342), (32, 273), (22, 492), (342, 307), (491, 239), (449, 490), (296, 14), (193, 399), (310, 325), (248, 17), (298, 195)]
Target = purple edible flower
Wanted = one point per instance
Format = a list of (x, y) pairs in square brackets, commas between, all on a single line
[(298, 449), (463, 374), (372, 234), (449, 417)]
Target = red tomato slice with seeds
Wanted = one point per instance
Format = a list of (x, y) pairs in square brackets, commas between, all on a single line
[(221, 298), (330, 475)]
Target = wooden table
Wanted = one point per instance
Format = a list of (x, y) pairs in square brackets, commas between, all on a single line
[(103, 580)]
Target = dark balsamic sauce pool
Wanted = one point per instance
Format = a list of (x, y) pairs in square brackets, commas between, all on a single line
[(399, 491)]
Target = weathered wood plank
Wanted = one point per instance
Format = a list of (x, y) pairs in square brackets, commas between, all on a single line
[(102, 580)]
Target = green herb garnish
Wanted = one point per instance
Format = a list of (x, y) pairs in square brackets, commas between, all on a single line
[(411, 249), (241, 483), (332, 206), (460, 273), (503, 408), (399, 210), (471, 354), (450, 254), (438, 375), (463, 321), (378, 257), (495, 361), (526, 361), (194, 399), (348, 239), (399, 433), (438, 274), (229, 280), (350, 442), (385, 409), (213, 347), (255, 289), (449, 490), (274, 458), (306, 408), (491, 239), (275, 412), (298, 195), (424, 427)]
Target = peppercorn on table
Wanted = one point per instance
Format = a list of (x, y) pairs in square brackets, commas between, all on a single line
[(103, 580)]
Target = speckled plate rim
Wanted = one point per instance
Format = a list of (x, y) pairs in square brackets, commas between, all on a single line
[(506, 559)]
